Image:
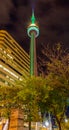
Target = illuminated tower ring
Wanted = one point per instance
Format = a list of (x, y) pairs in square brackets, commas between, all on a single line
[(33, 33), (33, 28)]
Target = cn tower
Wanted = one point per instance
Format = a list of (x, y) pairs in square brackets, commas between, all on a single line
[(33, 33)]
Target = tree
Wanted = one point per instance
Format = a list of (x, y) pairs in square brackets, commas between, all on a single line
[(54, 59), (57, 99), (8, 99), (33, 92), (56, 64)]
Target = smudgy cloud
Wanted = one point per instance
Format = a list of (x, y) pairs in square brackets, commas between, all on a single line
[(54, 21), (5, 7), (51, 15)]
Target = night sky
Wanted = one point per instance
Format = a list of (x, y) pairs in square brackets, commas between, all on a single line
[(52, 17)]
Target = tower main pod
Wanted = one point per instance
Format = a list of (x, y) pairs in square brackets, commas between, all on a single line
[(33, 33)]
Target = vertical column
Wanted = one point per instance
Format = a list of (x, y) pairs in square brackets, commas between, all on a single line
[(33, 59), (32, 54), (16, 120)]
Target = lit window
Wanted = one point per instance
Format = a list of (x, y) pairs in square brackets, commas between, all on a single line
[(9, 56), (1, 66), (4, 52)]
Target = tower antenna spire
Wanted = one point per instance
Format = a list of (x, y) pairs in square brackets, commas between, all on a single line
[(33, 17)]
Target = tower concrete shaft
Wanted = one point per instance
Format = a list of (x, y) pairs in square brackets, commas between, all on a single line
[(33, 59)]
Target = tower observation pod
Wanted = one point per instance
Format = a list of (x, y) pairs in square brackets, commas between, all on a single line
[(33, 33)]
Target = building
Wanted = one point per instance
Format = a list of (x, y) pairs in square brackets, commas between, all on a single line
[(14, 61), (33, 33)]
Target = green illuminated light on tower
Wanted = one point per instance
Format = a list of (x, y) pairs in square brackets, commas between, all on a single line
[(33, 32), (33, 18)]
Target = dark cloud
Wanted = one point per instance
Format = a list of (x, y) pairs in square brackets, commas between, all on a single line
[(63, 3), (13, 16), (52, 17), (5, 7), (54, 23), (18, 3)]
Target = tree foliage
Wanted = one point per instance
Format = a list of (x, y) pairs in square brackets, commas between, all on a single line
[(57, 77), (34, 91), (8, 96)]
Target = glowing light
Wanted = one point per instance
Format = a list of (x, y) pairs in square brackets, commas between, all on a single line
[(33, 18), (10, 56), (66, 120), (0, 122), (46, 123)]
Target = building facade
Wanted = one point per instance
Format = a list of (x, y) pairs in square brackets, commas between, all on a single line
[(14, 61)]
